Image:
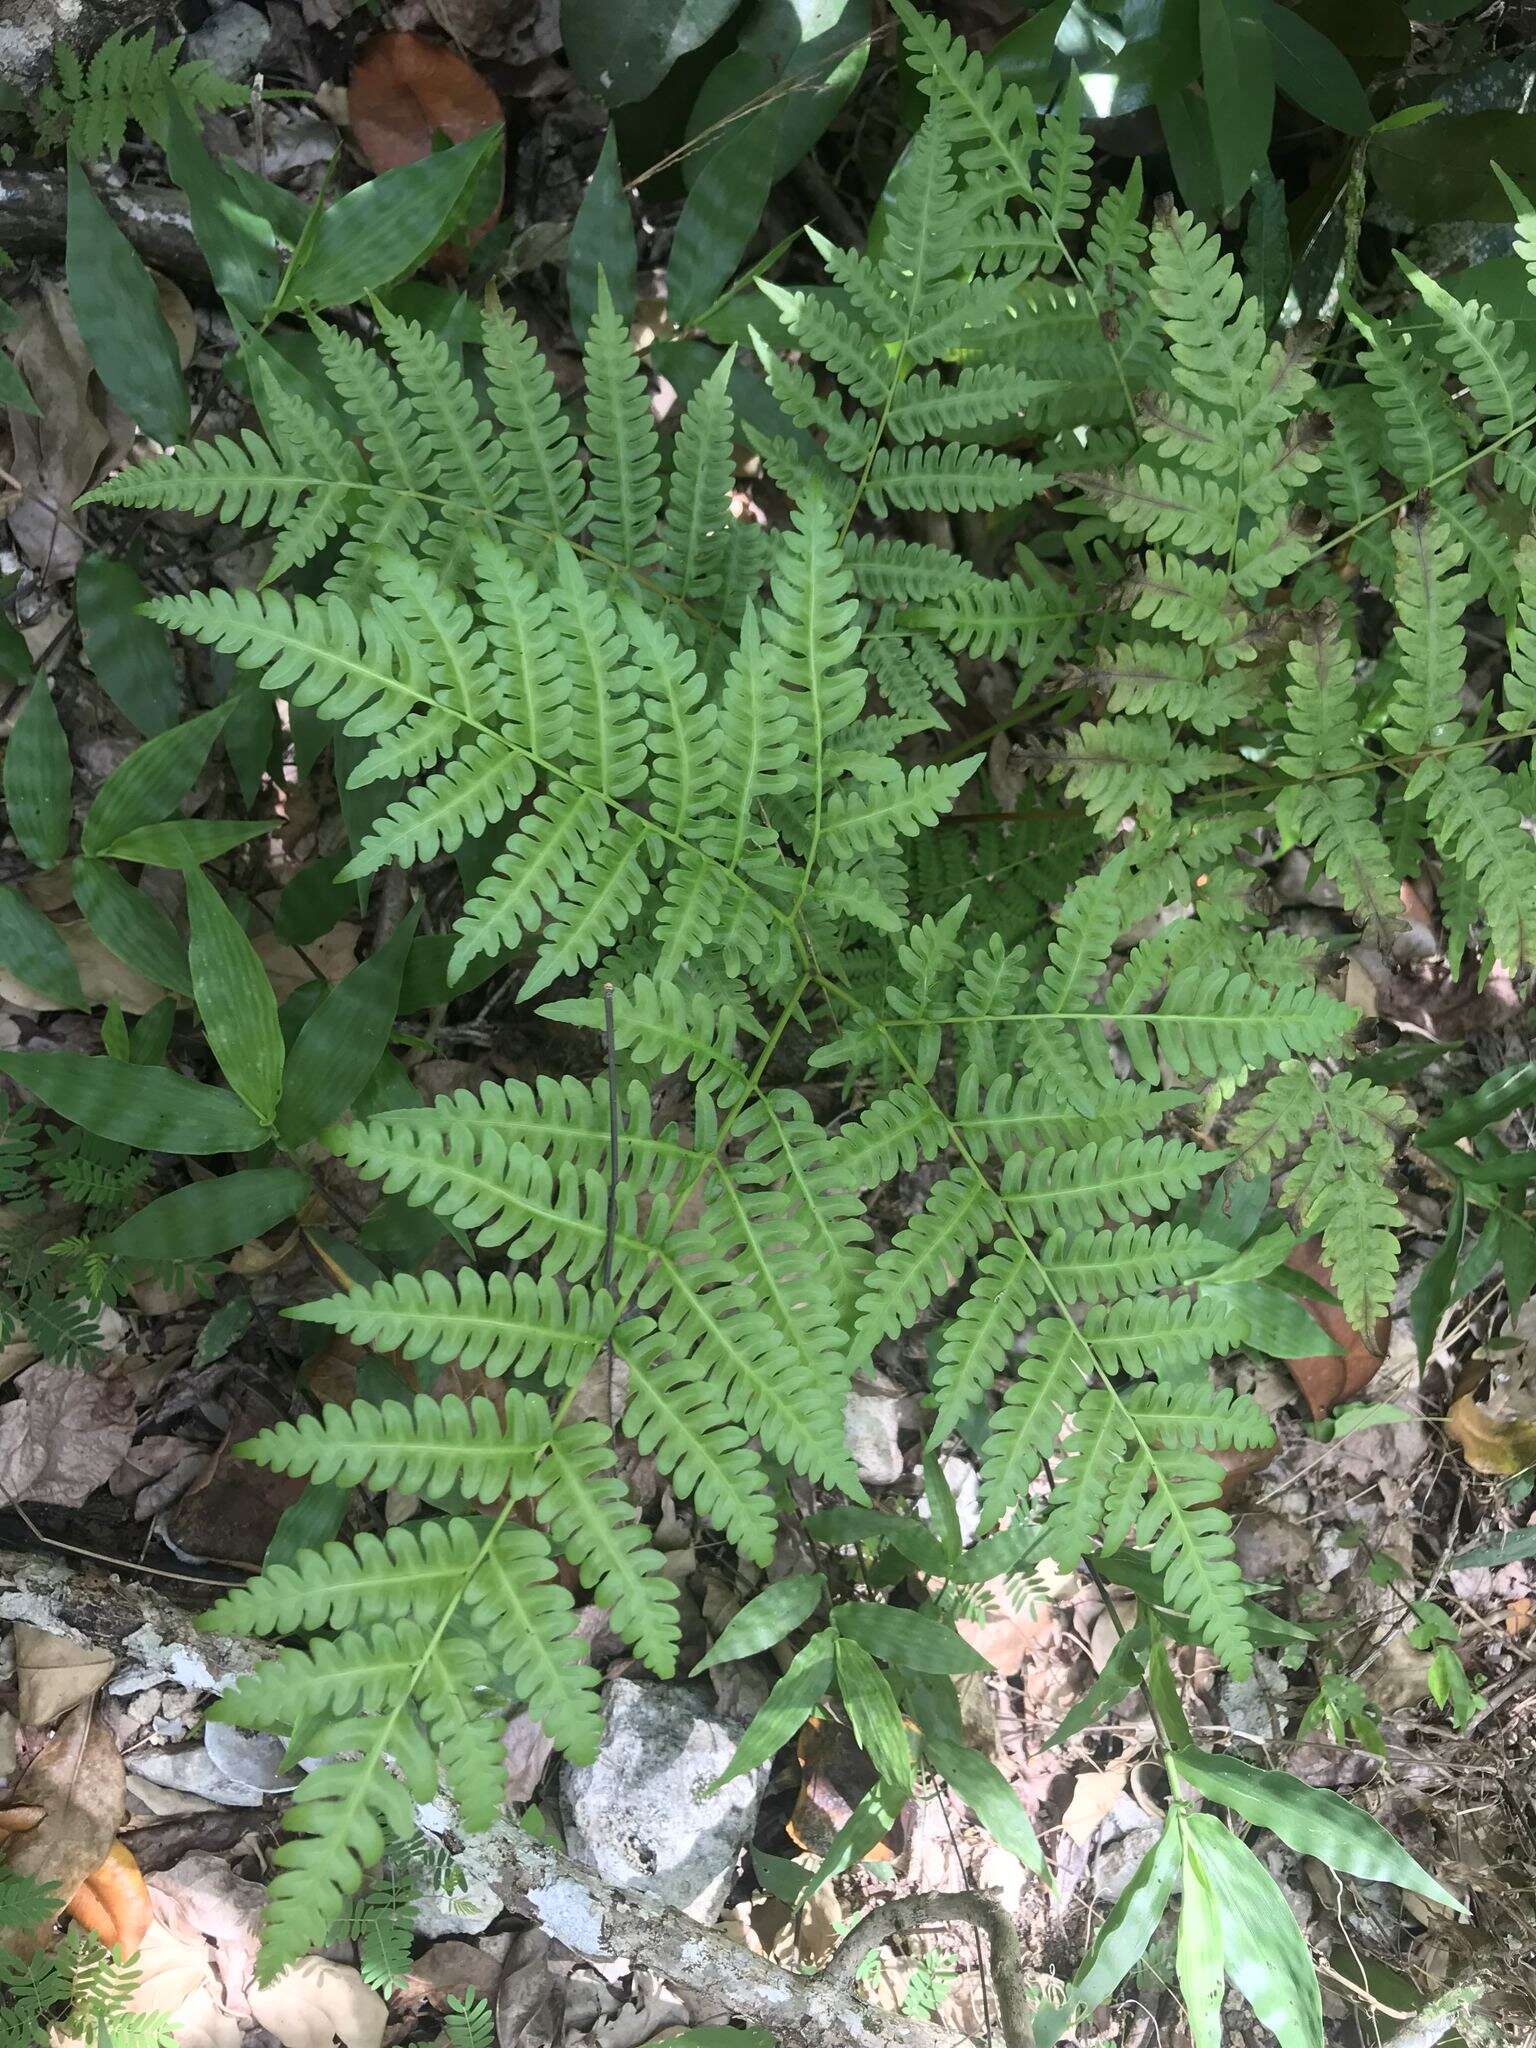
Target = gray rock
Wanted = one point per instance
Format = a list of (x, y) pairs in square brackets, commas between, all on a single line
[(643, 1815), (1118, 1862), (232, 40)]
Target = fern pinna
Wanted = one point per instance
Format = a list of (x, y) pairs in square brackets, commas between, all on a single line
[(688, 756)]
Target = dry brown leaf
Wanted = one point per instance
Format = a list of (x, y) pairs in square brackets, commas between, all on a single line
[(404, 90), (1491, 1442), (64, 1436), (318, 2002), (55, 1673), (55, 455), (1094, 1795), (332, 955), (1328, 1378), (113, 1903), (76, 1782)]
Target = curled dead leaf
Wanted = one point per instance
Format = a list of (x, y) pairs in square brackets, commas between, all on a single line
[(55, 1673), (1238, 1467), (1493, 1418), (1331, 1377), (113, 1903), (77, 1782)]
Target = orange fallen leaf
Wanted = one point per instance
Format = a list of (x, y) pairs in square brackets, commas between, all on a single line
[(113, 1903), (1327, 1378), (403, 91)]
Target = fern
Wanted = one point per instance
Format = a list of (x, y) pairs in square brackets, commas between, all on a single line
[(701, 762), (87, 108)]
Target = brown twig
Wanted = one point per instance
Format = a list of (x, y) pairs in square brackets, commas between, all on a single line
[(896, 1917)]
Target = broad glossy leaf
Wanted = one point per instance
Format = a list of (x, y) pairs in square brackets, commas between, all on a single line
[(767, 1618), (129, 655), (902, 1637), (1199, 1954), (37, 780), (621, 52), (1310, 1821), (795, 1697), (1239, 90), (32, 950), (234, 999), (385, 228), (602, 241), (1442, 168), (152, 781), (158, 1111), (343, 1041), (1120, 1943), (1265, 1955), (184, 842), (149, 1037), (873, 1713), (117, 311), (989, 1796), (131, 925), (211, 1216), (1508, 1549)]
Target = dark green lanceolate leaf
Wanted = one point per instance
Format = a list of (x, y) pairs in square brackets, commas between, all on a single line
[(1314, 72), (117, 311), (1121, 1942), (234, 999), (31, 949), (1508, 1549), (767, 1618), (129, 654), (211, 1216), (602, 243), (621, 52), (1273, 1320), (873, 1713), (1262, 1947), (902, 1637), (1310, 1821), (1239, 90), (990, 1797), (152, 781), (724, 207), (915, 1541), (860, 1834), (150, 1037), (1267, 247), (344, 1040), (238, 240), (184, 842), (384, 229), (1431, 1297), (1199, 1958), (37, 780), (307, 1523), (154, 1109), (1517, 1255), (805, 55), (795, 1697), (1514, 1088), (130, 925)]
